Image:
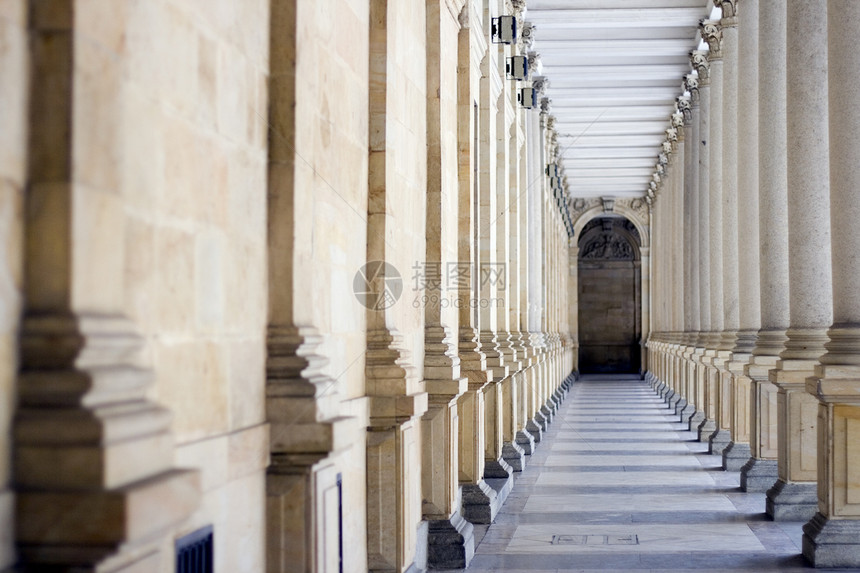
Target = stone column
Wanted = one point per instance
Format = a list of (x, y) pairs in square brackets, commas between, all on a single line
[(507, 286), (737, 453), (395, 392), (479, 500), (700, 98), (492, 136), (712, 97), (760, 472), (689, 107), (681, 122), (720, 217), (536, 125), (675, 140), (793, 496), (832, 537), (450, 538)]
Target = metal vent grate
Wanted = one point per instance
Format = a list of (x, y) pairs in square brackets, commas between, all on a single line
[(194, 552)]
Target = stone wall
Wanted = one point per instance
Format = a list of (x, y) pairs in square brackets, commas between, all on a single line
[(13, 165), (183, 89)]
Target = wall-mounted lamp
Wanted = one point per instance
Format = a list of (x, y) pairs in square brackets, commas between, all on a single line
[(504, 30), (527, 97), (517, 68)]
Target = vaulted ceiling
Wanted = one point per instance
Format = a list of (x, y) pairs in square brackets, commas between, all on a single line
[(615, 68)]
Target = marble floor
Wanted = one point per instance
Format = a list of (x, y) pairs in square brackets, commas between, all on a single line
[(618, 484)]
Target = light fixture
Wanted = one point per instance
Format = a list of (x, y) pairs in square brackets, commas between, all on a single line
[(504, 30), (526, 97), (517, 68), (552, 170)]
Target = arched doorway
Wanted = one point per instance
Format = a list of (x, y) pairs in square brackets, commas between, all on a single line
[(610, 296)]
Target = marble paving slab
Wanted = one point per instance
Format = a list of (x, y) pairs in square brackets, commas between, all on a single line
[(581, 446), (640, 503), (560, 459), (616, 478), (628, 436)]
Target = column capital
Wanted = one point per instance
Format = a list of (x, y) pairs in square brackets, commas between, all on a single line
[(536, 68), (680, 118), (685, 108), (712, 33), (699, 59), (528, 33), (539, 83), (691, 83), (730, 12)]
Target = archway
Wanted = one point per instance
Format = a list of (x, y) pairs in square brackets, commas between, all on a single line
[(609, 296)]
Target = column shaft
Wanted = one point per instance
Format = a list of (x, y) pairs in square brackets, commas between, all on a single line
[(760, 471), (832, 537), (811, 310)]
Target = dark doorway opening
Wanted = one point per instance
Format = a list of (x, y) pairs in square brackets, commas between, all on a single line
[(610, 299)]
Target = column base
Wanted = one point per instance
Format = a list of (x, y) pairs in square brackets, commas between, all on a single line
[(832, 542), (534, 430), (758, 475), (679, 406), (514, 455), (480, 502), (792, 501), (695, 421), (450, 543), (687, 413), (719, 441), (568, 382), (674, 401), (500, 477), (735, 456), (547, 414), (526, 441), (667, 394), (706, 428)]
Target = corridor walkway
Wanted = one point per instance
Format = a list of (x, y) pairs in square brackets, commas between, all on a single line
[(620, 485)]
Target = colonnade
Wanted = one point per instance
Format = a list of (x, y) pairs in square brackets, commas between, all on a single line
[(755, 338), (286, 280)]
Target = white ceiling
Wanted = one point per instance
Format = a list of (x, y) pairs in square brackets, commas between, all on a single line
[(615, 68)]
